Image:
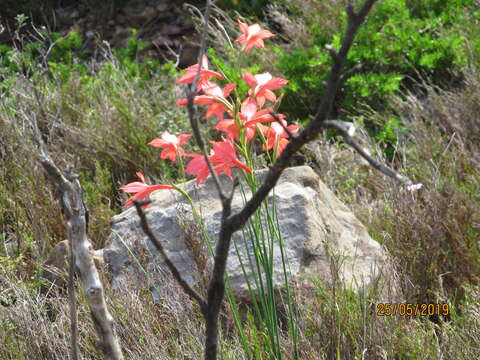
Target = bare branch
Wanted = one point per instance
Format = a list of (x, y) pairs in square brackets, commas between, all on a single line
[(340, 126), (333, 53), (70, 194), (350, 9), (278, 120), (313, 128), (191, 108), (158, 245), (352, 71), (231, 223), (74, 351)]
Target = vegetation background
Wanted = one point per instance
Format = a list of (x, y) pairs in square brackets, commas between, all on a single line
[(414, 93)]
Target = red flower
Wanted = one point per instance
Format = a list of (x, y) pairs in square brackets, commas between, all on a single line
[(225, 157), (263, 84), (170, 145), (252, 36), (205, 75), (277, 136), (216, 98), (249, 117), (198, 166), (141, 189)]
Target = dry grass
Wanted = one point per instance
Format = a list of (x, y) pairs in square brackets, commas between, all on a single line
[(102, 130)]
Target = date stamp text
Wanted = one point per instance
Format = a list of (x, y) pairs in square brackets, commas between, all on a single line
[(408, 309)]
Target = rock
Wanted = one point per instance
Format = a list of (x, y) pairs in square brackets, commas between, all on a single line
[(55, 269), (317, 229)]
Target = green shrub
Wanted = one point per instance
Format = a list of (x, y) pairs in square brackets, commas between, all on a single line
[(401, 41)]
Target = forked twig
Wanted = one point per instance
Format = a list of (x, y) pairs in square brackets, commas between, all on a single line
[(340, 126), (192, 91), (70, 194), (158, 245)]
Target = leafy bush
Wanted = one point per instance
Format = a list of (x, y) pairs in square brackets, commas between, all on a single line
[(249, 6), (401, 41)]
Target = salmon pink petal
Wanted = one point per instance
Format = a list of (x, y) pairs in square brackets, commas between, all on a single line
[(243, 27), (153, 188), (186, 78), (276, 83), (252, 36), (229, 127), (250, 133), (260, 100), (213, 90), (253, 30), (183, 138), (265, 34), (243, 166), (169, 153), (269, 95), (249, 79), (133, 187), (228, 89), (140, 176), (259, 43), (198, 166), (211, 74), (182, 102), (157, 143), (262, 79), (204, 100), (248, 108)]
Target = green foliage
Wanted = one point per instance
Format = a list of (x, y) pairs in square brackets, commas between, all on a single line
[(62, 57), (401, 40), (248, 7), (231, 72)]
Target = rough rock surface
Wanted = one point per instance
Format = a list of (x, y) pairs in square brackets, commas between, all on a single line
[(55, 268), (317, 229)]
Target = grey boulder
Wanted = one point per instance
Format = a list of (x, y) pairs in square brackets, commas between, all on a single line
[(321, 237)]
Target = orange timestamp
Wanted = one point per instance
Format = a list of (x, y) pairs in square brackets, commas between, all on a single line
[(407, 309)]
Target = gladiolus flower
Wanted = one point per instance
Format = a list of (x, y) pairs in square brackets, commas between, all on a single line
[(198, 166), (277, 136), (225, 157), (170, 145), (249, 117), (205, 75), (141, 189), (262, 86), (216, 98), (253, 35)]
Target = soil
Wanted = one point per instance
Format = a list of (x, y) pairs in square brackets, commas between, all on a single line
[(165, 26)]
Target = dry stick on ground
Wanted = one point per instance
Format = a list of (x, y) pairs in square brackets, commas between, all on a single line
[(74, 351), (231, 223), (75, 213)]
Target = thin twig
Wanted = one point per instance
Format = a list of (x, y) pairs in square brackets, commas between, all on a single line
[(191, 108), (333, 53), (74, 350), (278, 120), (340, 126), (158, 245), (349, 73)]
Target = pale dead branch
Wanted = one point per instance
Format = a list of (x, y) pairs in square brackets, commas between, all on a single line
[(71, 199)]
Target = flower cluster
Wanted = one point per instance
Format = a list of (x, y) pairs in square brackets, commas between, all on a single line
[(240, 124)]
